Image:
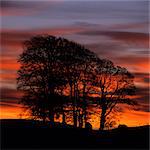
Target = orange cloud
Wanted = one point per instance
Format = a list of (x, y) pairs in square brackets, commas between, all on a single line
[(9, 63), (12, 111), (135, 118), (137, 64), (8, 76)]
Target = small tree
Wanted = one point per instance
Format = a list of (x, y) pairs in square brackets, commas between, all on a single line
[(115, 85)]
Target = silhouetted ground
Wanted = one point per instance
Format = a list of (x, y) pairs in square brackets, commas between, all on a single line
[(32, 134)]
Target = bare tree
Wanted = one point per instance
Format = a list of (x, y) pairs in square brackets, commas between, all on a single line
[(114, 85)]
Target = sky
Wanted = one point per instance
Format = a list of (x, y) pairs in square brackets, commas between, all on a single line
[(116, 30)]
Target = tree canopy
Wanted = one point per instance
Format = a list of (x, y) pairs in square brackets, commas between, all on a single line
[(57, 74)]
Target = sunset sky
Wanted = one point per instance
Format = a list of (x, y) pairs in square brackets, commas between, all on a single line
[(116, 30)]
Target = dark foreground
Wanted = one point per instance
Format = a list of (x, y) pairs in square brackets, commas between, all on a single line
[(28, 134)]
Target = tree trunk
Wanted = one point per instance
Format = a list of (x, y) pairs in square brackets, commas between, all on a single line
[(51, 117), (102, 117), (74, 108), (85, 117), (63, 111), (75, 117), (80, 120), (73, 104), (84, 105), (44, 119), (64, 117)]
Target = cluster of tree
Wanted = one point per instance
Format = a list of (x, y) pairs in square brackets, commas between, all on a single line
[(57, 74)]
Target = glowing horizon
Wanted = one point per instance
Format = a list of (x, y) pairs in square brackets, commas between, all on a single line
[(119, 33)]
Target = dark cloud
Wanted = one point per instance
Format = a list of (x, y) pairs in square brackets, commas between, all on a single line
[(142, 98), (16, 4), (88, 25), (9, 104), (142, 107), (143, 94), (140, 27), (106, 49), (132, 59), (18, 8), (12, 40), (131, 38), (10, 95), (143, 75)]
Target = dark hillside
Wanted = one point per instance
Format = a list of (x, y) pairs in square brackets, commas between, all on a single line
[(33, 134)]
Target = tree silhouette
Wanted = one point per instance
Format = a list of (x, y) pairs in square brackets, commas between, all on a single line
[(40, 76), (56, 73), (115, 85), (50, 65), (86, 84)]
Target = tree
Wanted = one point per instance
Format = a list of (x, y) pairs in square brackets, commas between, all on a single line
[(85, 81), (40, 75), (50, 65), (56, 73), (114, 85)]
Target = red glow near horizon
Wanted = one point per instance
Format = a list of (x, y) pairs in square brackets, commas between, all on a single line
[(121, 37)]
